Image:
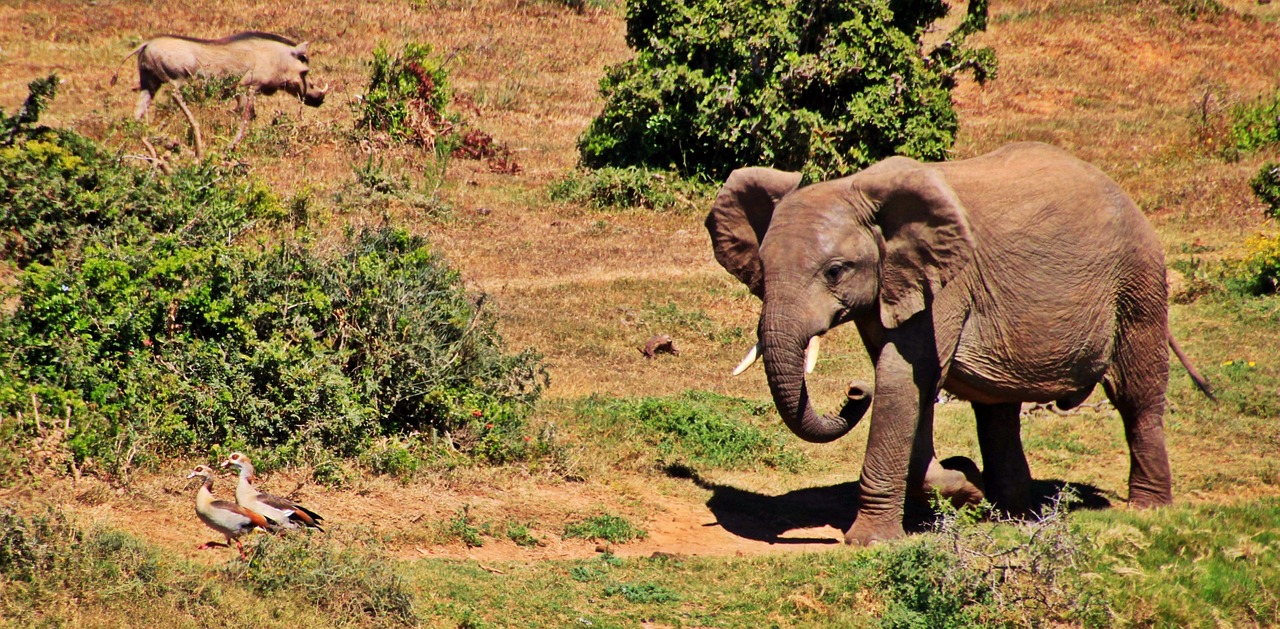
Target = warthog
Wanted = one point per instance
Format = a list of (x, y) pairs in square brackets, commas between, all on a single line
[(264, 62)]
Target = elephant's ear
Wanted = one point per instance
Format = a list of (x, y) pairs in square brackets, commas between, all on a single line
[(740, 216), (927, 240)]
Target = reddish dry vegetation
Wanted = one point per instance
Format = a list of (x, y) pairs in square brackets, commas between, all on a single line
[(1133, 87)]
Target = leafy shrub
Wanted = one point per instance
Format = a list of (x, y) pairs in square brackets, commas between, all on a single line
[(1259, 272), (698, 428), (610, 528), (58, 190), (350, 581), (144, 311), (1256, 125), (39, 93), (407, 97), (632, 186), (822, 88), (924, 585), (393, 458), (1266, 184)]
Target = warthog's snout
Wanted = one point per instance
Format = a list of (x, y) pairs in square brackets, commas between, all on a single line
[(314, 97)]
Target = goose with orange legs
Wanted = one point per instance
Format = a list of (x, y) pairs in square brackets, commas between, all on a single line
[(227, 518), (279, 510)]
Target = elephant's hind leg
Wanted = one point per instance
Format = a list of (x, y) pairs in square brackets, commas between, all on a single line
[(1136, 386), (1005, 471)]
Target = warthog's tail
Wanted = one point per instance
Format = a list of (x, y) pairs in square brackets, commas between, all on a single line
[(126, 58), (1201, 382)]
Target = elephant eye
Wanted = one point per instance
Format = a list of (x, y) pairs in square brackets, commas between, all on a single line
[(835, 272)]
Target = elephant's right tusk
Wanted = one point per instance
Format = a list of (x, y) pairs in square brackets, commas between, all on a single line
[(811, 355), (752, 355)]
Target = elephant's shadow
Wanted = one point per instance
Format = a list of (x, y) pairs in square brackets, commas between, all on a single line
[(765, 518)]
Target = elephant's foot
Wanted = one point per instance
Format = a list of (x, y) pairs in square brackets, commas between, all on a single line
[(867, 531), (1143, 498), (1010, 498), (957, 479)]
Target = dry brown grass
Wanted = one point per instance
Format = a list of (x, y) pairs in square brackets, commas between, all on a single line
[(1129, 86)]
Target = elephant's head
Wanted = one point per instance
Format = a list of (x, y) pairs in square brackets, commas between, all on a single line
[(876, 246)]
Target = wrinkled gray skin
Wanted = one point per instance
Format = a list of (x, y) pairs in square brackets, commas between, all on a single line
[(266, 63), (1023, 275)]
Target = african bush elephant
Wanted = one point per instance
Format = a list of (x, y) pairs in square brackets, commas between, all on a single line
[(1022, 275)]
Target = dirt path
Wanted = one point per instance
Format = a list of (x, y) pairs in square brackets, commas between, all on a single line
[(719, 521)]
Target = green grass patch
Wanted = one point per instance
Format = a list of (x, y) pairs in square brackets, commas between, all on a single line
[(606, 527), (464, 528), (349, 583), (696, 428), (670, 316), (632, 187), (1200, 566)]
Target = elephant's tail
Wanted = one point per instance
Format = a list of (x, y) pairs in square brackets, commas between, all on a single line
[(1200, 380)]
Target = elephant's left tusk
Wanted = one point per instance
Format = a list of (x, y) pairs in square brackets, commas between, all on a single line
[(811, 355), (752, 355)]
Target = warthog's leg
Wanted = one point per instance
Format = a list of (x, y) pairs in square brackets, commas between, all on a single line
[(195, 128), (245, 115), (144, 102)]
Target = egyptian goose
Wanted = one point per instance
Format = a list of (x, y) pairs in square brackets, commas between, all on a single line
[(281, 511), (225, 517)]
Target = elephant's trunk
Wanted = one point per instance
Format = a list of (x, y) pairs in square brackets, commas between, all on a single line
[(784, 365)]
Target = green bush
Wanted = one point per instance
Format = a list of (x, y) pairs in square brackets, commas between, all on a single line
[(145, 313), (407, 97), (822, 88), (1259, 272), (926, 586), (1256, 125), (1266, 185)]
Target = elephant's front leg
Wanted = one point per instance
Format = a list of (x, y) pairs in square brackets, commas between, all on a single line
[(900, 441)]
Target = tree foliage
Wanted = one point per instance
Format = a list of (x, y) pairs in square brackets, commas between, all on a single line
[(821, 86)]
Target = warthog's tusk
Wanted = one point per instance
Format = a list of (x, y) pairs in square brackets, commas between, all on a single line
[(752, 355), (325, 89), (811, 355)]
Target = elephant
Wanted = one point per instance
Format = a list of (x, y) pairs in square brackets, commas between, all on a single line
[(1021, 275)]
